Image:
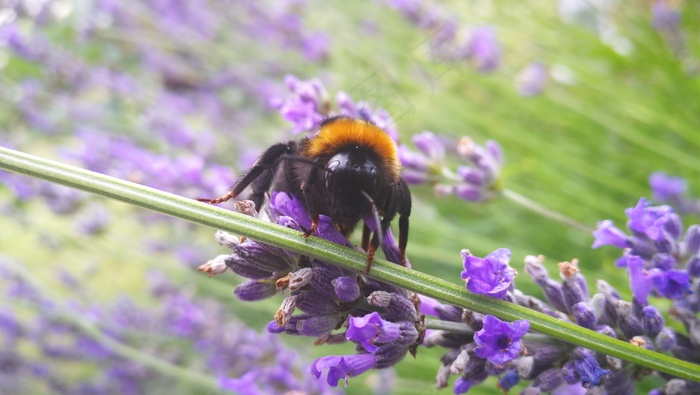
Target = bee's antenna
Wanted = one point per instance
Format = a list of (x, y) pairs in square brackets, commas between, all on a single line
[(375, 215)]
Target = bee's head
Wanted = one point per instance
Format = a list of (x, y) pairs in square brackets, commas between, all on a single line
[(351, 176)]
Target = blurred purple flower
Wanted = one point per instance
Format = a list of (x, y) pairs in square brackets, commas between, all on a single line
[(666, 17), (531, 80), (484, 50), (306, 106)]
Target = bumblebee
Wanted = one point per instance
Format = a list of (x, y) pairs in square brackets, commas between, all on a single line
[(349, 171)]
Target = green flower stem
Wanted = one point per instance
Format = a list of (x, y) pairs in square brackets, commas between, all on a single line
[(462, 329), (179, 373), (528, 204), (544, 211), (446, 292)]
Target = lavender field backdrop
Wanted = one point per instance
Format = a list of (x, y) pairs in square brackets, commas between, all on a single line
[(582, 100)]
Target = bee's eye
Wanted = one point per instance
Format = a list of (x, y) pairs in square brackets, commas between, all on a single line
[(375, 181), (330, 171)]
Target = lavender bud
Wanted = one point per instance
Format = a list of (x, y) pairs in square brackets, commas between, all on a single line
[(544, 358), (673, 225), (614, 363), (548, 380), (691, 241), (666, 340), (642, 342), (652, 321), (681, 387), (693, 266), (690, 322), (316, 325), (246, 207), (315, 303), (642, 247), (226, 239), (300, 278), (214, 266), (255, 290), (606, 330), (571, 289), (619, 382), (322, 279), (569, 270), (611, 296), (534, 304), (346, 288), (443, 376), (685, 349), (628, 323), (663, 261), (508, 380), (284, 313), (583, 315), (473, 319), (460, 363), (446, 339)]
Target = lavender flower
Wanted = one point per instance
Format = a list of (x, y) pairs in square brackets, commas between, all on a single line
[(531, 80), (484, 50), (477, 182), (499, 342), (307, 105), (488, 276)]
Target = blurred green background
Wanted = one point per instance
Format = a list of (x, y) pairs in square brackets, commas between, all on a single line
[(619, 102)]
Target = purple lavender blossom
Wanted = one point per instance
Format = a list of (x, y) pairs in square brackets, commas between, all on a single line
[(342, 367), (531, 80), (666, 18), (481, 178), (499, 342), (370, 330), (483, 49), (665, 188), (490, 275), (673, 191), (306, 106), (425, 166), (363, 110)]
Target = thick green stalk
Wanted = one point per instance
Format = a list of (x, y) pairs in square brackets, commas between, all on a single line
[(215, 217)]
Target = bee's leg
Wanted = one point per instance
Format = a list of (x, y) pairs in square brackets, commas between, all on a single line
[(366, 233), (373, 245), (307, 191), (404, 213), (267, 163)]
